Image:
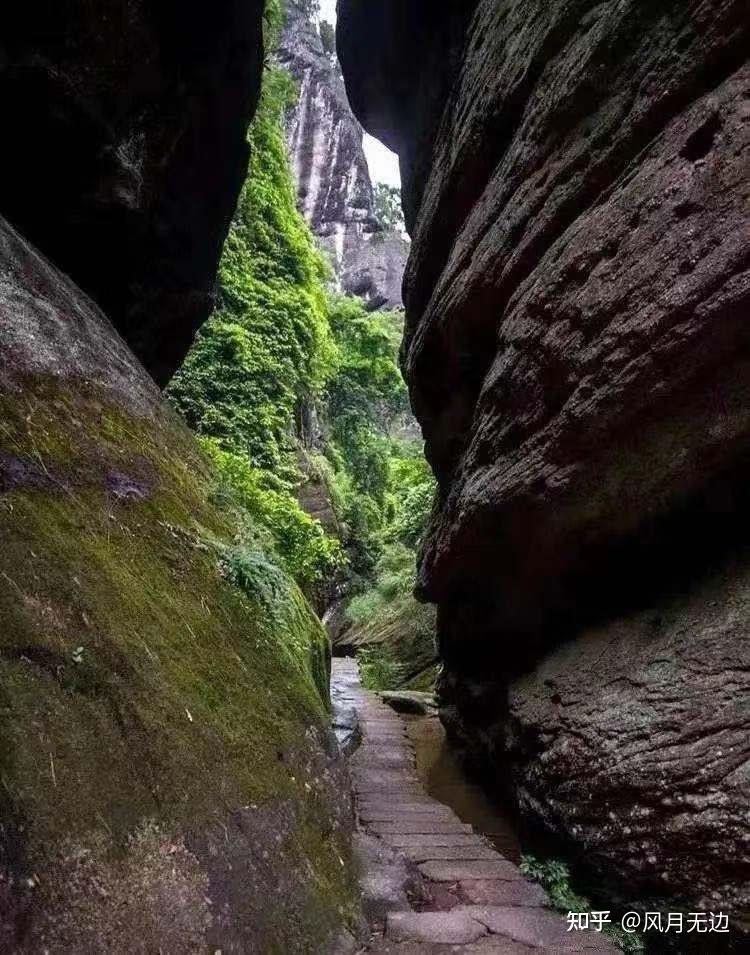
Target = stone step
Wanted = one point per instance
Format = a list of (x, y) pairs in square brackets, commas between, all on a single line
[(395, 803), (412, 840), (496, 892), (394, 814), (489, 945), (466, 925), (425, 826), (463, 871), (475, 852), (446, 928)]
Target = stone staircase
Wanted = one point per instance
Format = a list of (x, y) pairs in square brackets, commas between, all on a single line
[(430, 883)]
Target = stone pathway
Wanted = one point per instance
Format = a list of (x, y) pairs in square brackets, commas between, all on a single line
[(430, 884)]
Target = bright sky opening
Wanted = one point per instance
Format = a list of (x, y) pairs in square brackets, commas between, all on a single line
[(382, 162)]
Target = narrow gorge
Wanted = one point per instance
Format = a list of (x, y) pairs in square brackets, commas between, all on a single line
[(482, 438)]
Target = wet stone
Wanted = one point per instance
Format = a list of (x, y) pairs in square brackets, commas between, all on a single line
[(459, 871)]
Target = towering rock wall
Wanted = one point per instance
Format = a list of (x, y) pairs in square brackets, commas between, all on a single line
[(125, 128), (330, 168), (165, 757), (168, 780), (576, 183)]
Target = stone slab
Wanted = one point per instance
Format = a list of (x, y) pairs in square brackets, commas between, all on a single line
[(395, 814), (504, 893), (447, 928), (537, 928), (477, 851), (412, 840), (422, 825), (458, 871)]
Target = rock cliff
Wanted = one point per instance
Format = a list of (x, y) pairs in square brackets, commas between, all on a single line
[(331, 172), (576, 185), (165, 757), (166, 762), (127, 122)]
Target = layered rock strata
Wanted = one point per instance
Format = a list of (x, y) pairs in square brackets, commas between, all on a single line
[(331, 171), (576, 179)]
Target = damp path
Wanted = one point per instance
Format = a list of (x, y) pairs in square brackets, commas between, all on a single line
[(430, 884), (444, 776)]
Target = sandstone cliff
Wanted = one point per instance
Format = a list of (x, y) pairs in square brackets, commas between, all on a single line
[(127, 122), (331, 172), (164, 751), (166, 762), (576, 184)]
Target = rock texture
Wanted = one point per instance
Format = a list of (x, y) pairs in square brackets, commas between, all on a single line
[(577, 187), (165, 757), (331, 172), (127, 121)]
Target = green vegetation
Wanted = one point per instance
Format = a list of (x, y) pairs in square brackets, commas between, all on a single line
[(554, 877), (388, 207), (328, 37), (265, 354), (280, 352), (136, 639)]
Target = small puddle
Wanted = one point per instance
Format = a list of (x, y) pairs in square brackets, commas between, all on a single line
[(445, 779)]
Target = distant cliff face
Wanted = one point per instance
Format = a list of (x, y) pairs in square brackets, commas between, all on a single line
[(330, 168), (575, 182)]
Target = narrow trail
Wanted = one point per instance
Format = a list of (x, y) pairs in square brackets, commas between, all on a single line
[(431, 884)]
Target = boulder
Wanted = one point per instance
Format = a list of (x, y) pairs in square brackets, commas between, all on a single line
[(169, 779), (127, 121), (577, 191)]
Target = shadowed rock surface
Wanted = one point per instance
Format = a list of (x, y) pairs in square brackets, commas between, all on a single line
[(331, 172), (165, 756), (576, 184), (127, 121)]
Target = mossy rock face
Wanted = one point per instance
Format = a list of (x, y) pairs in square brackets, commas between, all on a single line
[(166, 772)]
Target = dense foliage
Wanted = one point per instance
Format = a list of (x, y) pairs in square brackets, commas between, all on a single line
[(291, 386), (328, 37), (388, 207), (266, 352)]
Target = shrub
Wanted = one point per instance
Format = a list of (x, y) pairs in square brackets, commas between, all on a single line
[(377, 668)]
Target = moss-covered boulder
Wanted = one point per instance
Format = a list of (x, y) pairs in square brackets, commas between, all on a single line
[(166, 772)]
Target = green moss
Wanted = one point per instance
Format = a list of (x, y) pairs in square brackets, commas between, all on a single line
[(136, 680)]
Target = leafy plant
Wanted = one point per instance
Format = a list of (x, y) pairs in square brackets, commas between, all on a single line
[(328, 37), (554, 877), (388, 208), (300, 544), (377, 668)]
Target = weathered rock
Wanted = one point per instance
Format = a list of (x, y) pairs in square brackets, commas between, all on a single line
[(331, 172), (409, 701), (127, 121), (166, 764), (633, 741), (577, 350)]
